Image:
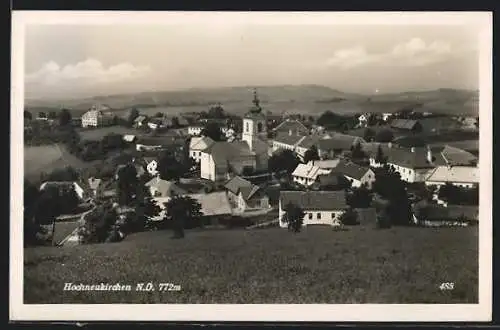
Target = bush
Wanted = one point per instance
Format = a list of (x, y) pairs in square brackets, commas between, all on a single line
[(349, 218)]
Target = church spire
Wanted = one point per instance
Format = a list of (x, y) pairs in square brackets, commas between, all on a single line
[(256, 100)]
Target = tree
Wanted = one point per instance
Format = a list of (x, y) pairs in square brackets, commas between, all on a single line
[(380, 158), (175, 122), (216, 112), (31, 227), (127, 184), (145, 209), (369, 134), (349, 218), (359, 198), (98, 224), (27, 115), (311, 154), (181, 210), (134, 113), (389, 186), (384, 136), (293, 217), (283, 160), (158, 115), (112, 141), (458, 195), (170, 168), (64, 117), (67, 173), (213, 131), (357, 151)]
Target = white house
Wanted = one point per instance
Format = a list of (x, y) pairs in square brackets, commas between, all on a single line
[(305, 144), (246, 196), (306, 174), (151, 165), (197, 144), (355, 174), (363, 119), (386, 116), (461, 176), (320, 207), (292, 126), (195, 130), (163, 188), (97, 116), (287, 141), (140, 121)]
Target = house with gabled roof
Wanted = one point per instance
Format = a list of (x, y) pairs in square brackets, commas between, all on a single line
[(306, 143), (320, 207), (291, 126), (461, 176), (197, 144), (355, 174), (408, 125), (245, 195), (306, 174), (336, 144), (163, 188), (287, 141)]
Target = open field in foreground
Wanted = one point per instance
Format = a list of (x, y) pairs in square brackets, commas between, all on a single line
[(318, 265), (46, 158)]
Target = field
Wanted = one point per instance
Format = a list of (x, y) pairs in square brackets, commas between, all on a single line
[(38, 159), (99, 133), (318, 265)]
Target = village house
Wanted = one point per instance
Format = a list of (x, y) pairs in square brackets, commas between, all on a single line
[(287, 141), (306, 174), (98, 115), (195, 129), (305, 144), (291, 125), (330, 181), (140, 121), (320, 207), (355, 174), (100, 189), (163, 188), (215, 207), (414, 164), (363, 120), (245, 196), (197, 144), (386, 116), (407, 125), (222, 159), (151, 164), (337, 144), (129, 138), (64, 185), (326, 164), (460, 176)]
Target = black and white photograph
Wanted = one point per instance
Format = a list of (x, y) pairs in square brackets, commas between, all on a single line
[(248, 166)]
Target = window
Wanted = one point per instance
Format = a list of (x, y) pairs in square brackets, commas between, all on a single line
[(318, 215), (259, 127), (310, 216), (334, 216), (247, 127)]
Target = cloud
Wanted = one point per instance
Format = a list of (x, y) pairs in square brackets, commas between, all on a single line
[(415, 52), (90, 71)]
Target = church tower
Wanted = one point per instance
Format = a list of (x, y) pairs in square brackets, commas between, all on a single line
[(255, 132), (254, 124)]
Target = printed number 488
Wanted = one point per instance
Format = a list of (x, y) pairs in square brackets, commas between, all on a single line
[(447, 286)]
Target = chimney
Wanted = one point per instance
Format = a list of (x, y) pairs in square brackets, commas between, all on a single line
[(429, 155)]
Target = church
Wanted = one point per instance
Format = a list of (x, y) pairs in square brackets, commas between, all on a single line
[(223, 160)]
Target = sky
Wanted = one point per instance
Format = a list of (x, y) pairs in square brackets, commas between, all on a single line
[(86, 60)]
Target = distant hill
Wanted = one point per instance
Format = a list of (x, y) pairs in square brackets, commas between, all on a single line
[(312, 99)]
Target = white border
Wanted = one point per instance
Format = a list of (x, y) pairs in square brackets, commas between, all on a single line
[(321, 312)]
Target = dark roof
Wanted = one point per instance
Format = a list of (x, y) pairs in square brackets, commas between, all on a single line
[(286, 138), (351, 169), (414, 159), (339, 142), (238, 184), (455, 156), (223, 152), (252, 114), (371, 148), (331, 179), (293, 125), (309, 141), (408, 124), (315, 200)]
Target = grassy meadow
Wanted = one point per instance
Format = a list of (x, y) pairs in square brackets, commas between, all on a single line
[(318, 265)]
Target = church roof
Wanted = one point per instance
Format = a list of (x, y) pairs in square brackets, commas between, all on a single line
[(222, 152), (255, 111)]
